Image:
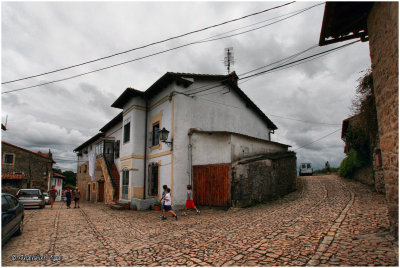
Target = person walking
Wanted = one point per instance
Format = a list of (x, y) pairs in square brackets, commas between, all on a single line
[(77, 197), (68, 196), (53, 195), (167, 205), (327, 166), (189, 200), (165, 187)]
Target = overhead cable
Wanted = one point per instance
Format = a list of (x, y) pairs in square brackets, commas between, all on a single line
[(150, 55), (151, 44), (317, 140)]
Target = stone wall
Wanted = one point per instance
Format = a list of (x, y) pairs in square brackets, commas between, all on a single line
[(36, 169), (83, 179), (259, 179), (365, 175), (108, 188), (383, 36)]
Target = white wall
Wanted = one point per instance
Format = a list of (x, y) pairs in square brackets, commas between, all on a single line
[(206, 113), (245, 146), (212, 148)]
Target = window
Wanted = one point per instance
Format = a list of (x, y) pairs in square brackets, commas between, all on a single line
[(127, 131), (99, 149), (12, 201), (116, 149), (5, 206), (8, 159), (153, 179), (125, 183), (84, 168), (156, 134)]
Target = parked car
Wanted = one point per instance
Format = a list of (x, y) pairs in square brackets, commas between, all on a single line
[(46, 198), (306, 169), (31, 197), (12, 217)]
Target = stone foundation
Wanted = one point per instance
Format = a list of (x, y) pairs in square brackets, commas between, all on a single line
[(262, 178)]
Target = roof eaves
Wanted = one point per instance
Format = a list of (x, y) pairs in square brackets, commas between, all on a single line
[(28, 151), (89, 141), (126, 96), (112, 122), (344, 21)]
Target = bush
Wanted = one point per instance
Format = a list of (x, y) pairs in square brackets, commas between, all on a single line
[(324, 171), (351, 163)]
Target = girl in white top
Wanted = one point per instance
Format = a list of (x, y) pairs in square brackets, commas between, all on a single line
[(167, 205)]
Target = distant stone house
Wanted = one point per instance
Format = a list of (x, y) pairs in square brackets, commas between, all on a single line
[(211, 123), (376, 22), (22, 168)]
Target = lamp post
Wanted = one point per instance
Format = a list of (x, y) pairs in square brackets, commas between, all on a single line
[(164, 136)]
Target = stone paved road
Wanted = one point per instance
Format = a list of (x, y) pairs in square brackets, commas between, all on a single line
[(328, 221)]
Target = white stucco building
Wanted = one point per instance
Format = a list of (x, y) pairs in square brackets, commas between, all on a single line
[(210, 121)]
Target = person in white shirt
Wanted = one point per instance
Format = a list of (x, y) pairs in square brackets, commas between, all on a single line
[(167, 205)]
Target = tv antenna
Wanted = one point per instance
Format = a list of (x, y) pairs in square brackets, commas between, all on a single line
[(229, 60)]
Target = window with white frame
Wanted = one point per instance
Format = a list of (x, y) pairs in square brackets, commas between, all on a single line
[(8, 159)]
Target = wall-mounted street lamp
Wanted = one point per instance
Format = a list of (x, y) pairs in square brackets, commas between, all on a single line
[(164, 136)]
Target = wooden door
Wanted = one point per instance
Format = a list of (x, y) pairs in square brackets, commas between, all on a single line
[(211, 185), (101, 191)]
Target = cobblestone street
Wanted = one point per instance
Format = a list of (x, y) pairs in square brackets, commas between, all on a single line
[(328, 221)]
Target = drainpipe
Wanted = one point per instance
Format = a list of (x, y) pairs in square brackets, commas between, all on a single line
[(145, 152), (190, 159)]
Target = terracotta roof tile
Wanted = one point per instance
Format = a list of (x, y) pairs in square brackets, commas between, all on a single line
[(12, 176), (58, 175)]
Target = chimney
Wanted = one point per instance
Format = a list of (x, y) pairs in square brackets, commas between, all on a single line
[(234, 77)]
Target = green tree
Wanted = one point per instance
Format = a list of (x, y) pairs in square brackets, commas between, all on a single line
[(70, 178), (361, 136)]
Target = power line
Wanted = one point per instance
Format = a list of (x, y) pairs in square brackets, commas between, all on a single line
[(150, 55), (151, 44), (321, 53), (278, 61), (304, 120), (317, 140), (280, 67)]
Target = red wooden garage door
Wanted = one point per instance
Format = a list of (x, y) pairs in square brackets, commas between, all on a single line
[(211, 185)]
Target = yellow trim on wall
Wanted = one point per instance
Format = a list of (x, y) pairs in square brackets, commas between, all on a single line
[(134, 107), (156, 119), (138, 192), (134, 169), (135, 156), (159, 102), (159, 154), (126, 164)]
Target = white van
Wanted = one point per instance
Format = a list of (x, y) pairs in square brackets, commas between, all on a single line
[(306, 169)]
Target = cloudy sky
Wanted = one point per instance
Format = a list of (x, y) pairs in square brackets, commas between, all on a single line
[(306, 102)]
